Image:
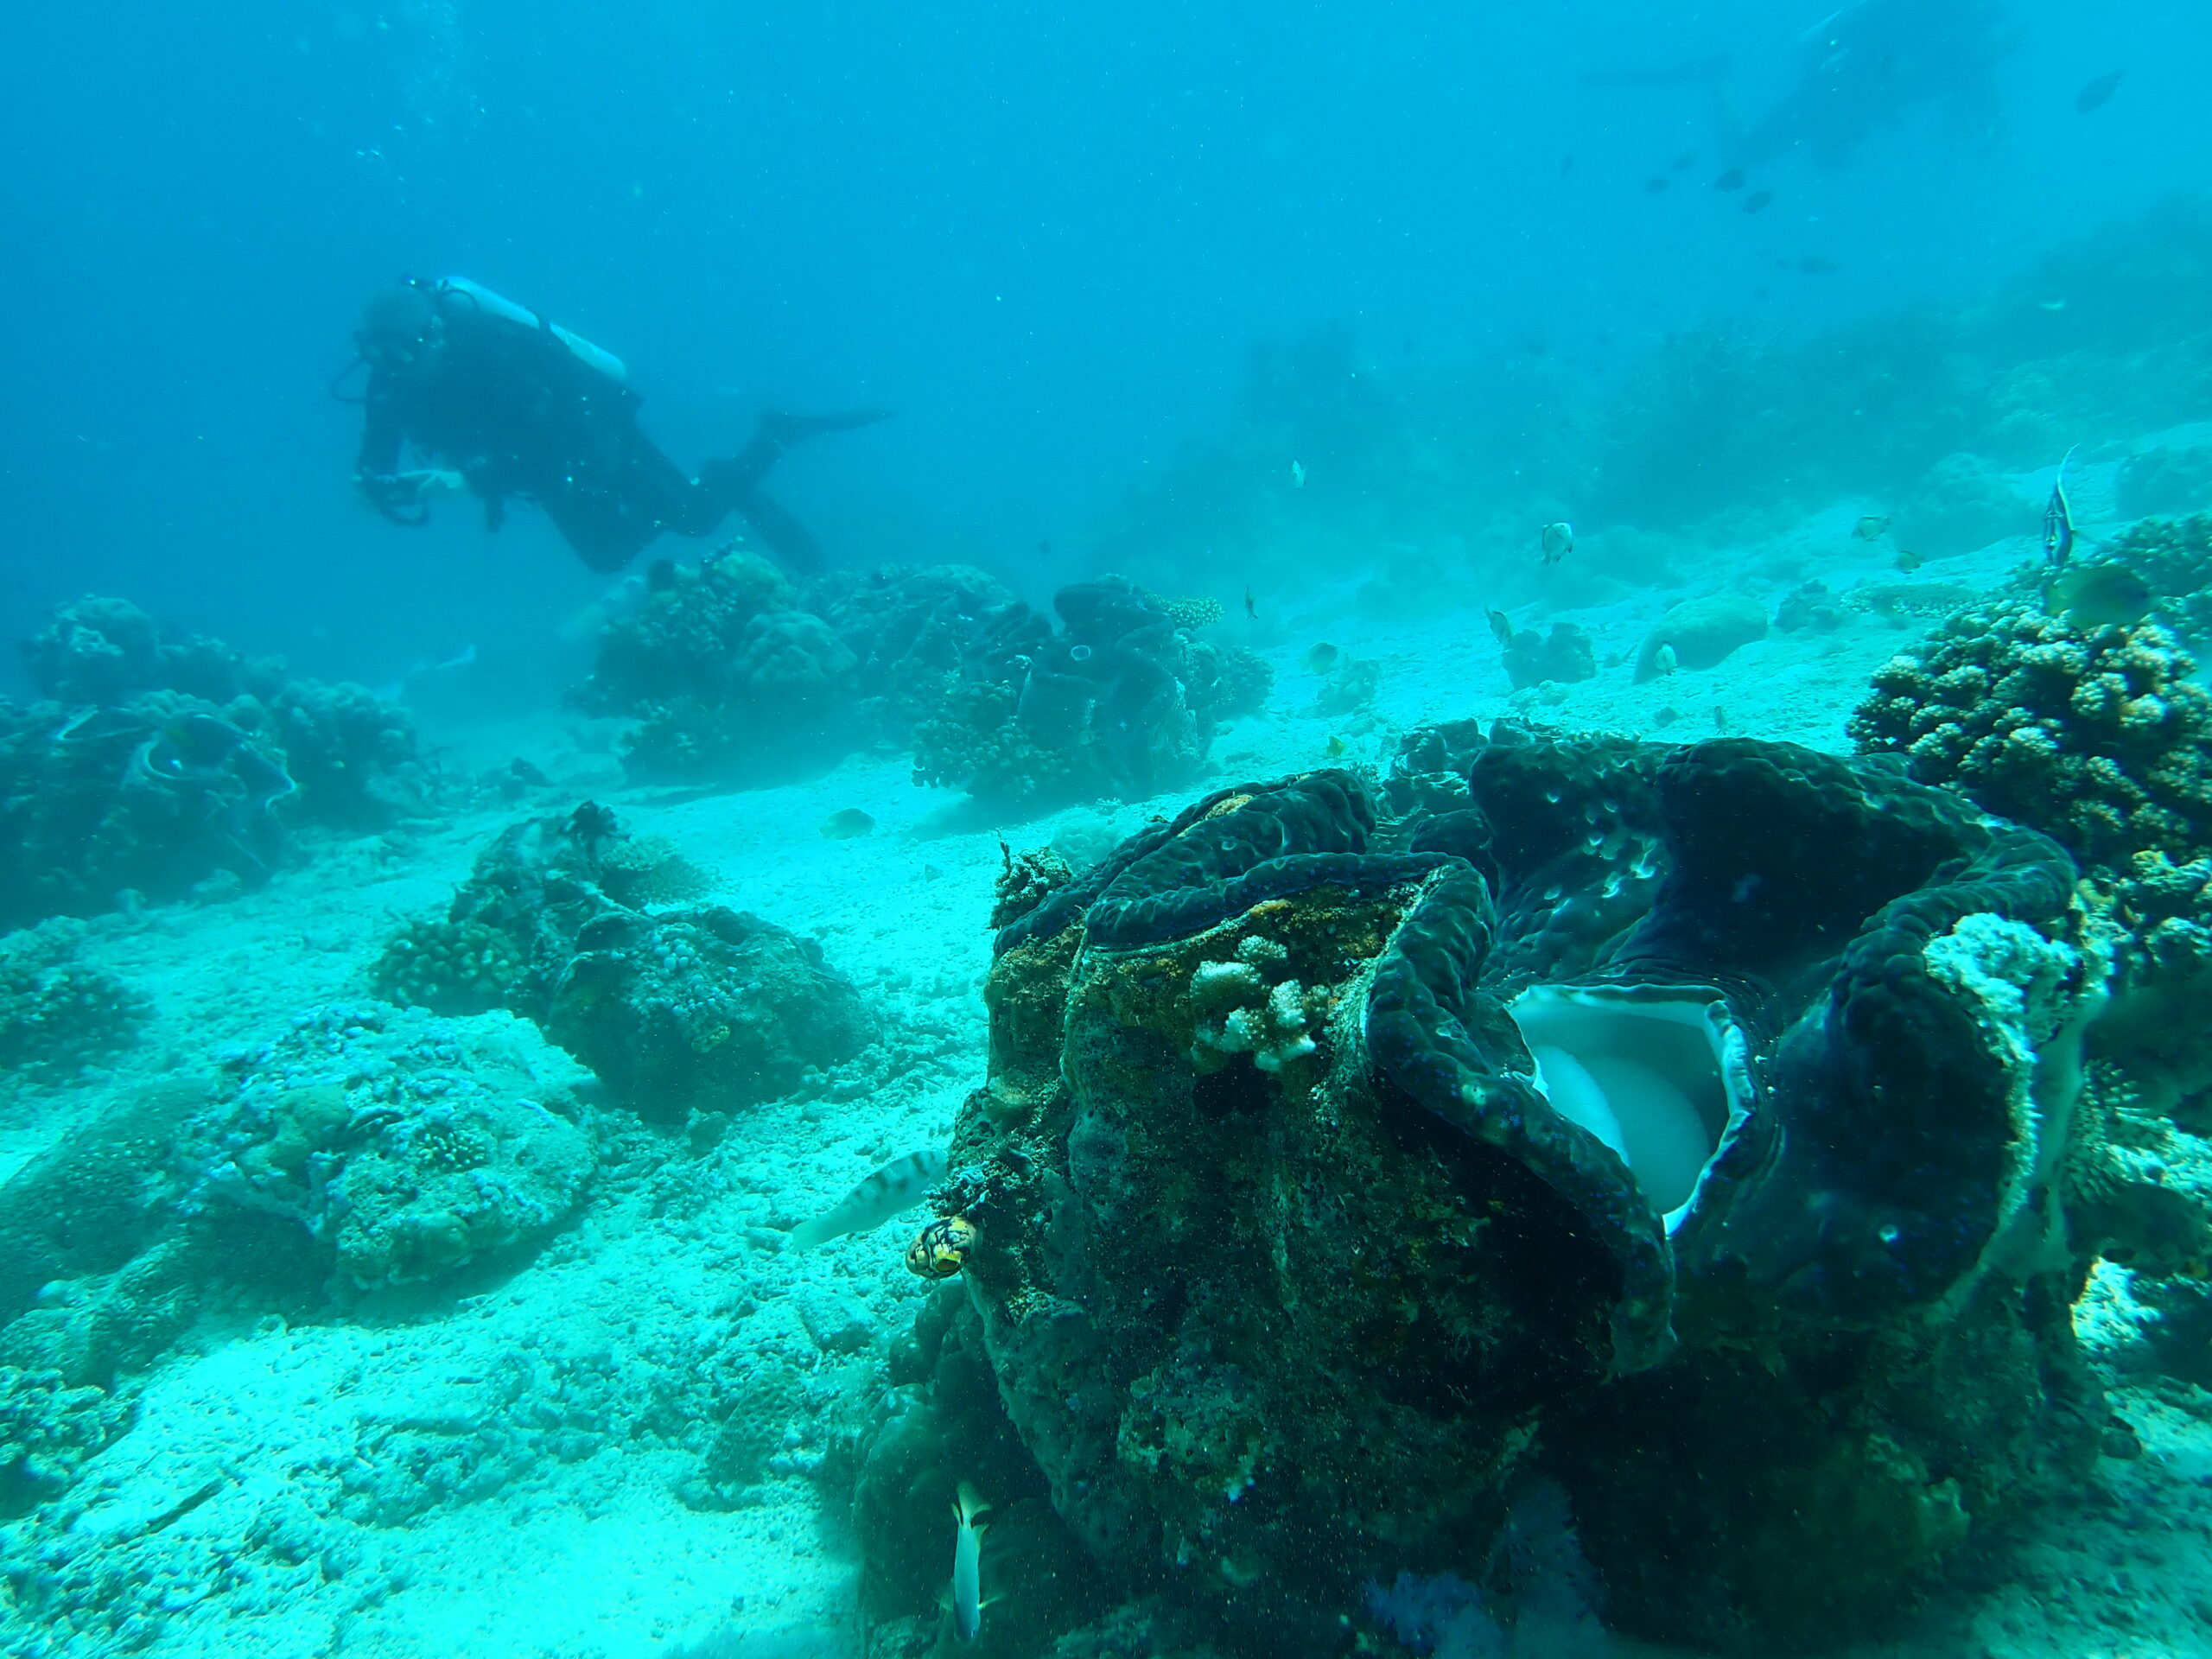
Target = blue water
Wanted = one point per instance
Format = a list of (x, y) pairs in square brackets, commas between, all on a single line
[(1047, 238)]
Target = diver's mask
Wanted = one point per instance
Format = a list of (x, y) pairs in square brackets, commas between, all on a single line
[(401, 328)]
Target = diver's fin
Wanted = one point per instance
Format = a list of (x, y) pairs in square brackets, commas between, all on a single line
[(793, 544), (783, 428)]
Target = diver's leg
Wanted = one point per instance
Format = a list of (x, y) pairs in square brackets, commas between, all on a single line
[(602, 528), (734, 479), (619, 492), (793, 544)]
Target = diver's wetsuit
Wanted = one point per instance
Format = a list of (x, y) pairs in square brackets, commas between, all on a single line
[(517, 412)]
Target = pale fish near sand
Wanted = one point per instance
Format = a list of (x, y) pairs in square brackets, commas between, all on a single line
[(899, 1184), (968, 1564)]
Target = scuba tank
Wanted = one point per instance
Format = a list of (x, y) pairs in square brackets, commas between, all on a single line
[(498, 305)]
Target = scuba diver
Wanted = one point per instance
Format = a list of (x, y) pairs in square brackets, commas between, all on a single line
[(511, 404)]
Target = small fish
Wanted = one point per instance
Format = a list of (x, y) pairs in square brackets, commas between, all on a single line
[(1559, 541), (1337, 747), (1731, 179), (1663, 662), (968, 1563), (899, 1184), (1871, 528), (1251, 611), (2050, 305), (2095, 94), (1655, 184), (2098, 596), (844, 826), (2058, 520), (1297, 475), (1684, 162), (1319, 660), (68, 727), (1909, 561), (1501, 627), (1757, 202), (1813, 264)]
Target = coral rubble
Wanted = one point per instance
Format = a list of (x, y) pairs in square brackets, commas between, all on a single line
[(46, 1431), (406, 1145), (58, 1015)]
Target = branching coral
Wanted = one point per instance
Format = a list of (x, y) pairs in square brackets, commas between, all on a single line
[(729, 679), (913, 630), (1236, 1010), (1119, 701), (2174, 558), (449, 968), (2100, 738)]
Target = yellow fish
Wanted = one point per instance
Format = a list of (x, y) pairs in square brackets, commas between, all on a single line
[(1871, 528), (1320, 658), (1909, 561), (2098, 596), (844, 826), (1337, 747)]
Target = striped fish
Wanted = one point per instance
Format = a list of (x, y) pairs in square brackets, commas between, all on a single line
[(2058, 519), (899, 1184)]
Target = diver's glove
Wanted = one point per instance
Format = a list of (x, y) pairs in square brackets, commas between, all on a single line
[(403, 497), (392, 494)]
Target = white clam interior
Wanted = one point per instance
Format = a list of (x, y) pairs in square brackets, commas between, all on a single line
[(1664, 1081)]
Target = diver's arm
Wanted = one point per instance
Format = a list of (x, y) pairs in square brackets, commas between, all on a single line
[(376, 468), (382, 434)]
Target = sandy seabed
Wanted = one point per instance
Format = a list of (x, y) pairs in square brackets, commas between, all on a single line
[(220, 1507)]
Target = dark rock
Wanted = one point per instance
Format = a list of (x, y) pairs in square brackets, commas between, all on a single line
[(678, 1008), (1565, 656)]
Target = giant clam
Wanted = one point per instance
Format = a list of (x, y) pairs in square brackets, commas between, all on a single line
[(1347, 1152)]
